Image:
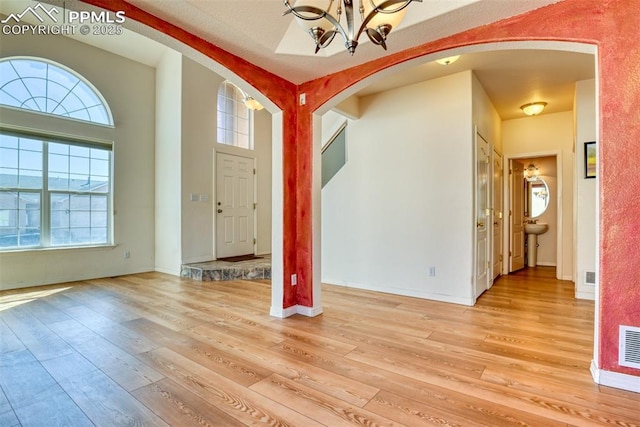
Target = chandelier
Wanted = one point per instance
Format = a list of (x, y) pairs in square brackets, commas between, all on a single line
[(377, 19)]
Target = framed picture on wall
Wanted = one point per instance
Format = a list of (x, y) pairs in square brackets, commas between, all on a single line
[(590, 160)]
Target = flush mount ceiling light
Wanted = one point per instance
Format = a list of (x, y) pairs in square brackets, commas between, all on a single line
[(533, 108), (377, 19), (251, 103), (448, 60)]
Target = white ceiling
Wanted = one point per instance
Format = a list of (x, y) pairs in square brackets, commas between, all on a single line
[(256, 31)]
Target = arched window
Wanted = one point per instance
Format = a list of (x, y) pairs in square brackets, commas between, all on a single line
[(54, 191), (39, 85), (234, 118)]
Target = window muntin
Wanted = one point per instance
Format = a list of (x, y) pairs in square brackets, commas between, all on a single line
[(53, 193), (42, 86), (234, 118)]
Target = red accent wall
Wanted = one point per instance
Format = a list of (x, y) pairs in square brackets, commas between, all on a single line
[(612, 25)]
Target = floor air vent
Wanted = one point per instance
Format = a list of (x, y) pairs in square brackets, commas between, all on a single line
[(629, 347)]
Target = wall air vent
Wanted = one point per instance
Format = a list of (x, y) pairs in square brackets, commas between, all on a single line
[(590, 277), (629, 354)]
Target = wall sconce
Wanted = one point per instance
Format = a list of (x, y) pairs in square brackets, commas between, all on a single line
[(251, 103), (531, 173), (533, 108), (448, 60)]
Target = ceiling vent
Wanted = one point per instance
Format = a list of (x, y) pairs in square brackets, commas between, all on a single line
[(629, 347)]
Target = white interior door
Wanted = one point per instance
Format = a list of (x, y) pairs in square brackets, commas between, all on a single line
[(516, 217), (483, 216), (496, 241), (234, 205)]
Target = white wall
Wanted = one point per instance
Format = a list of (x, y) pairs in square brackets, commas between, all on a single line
[(168, 227), (129, 89), (540, 135), (332, 120), (585, 200), (199, 95), (404, 200), (485, 116), (262, 122), (199, 115)]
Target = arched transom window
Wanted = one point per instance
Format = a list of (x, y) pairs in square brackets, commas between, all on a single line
[(38, 85), (234, 118)]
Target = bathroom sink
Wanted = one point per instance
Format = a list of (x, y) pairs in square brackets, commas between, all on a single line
[(538, 228)]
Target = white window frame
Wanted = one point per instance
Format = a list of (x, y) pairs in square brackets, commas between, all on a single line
[(238, 101), (46, 193), (67, 131)]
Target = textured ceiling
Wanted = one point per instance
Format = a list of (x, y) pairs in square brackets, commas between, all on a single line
[(256, 31)]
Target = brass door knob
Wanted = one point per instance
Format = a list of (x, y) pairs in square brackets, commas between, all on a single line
[(219, 210)]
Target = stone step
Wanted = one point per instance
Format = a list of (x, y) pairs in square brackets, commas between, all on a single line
[(215, 271)]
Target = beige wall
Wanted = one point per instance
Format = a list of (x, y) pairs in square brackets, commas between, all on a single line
[(543, 135), (485, 116), (168, 228), (408, 186), (199, 115), (129, 89), (586, 190)]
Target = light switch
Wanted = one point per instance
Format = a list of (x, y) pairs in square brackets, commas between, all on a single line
[(204, 198), (194, 197)]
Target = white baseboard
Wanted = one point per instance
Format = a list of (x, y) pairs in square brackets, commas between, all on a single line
[(404, 292), (309, 311), (170, 271), (295, 309), (581, 294), (615, 379), (203, 258), (546, 264), (283, 312)]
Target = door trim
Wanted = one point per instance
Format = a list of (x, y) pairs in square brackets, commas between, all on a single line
[(507, 202)]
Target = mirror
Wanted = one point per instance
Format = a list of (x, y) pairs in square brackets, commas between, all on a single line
[(537, 198)]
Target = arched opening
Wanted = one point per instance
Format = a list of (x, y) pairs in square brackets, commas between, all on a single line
[(428, 251)]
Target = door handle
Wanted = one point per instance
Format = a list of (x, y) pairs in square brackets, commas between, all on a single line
[(219, 210), (480, 224)]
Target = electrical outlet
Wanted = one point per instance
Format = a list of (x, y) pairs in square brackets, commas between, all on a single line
[(294, 279), (127, 254), (303, 98), (432, 271)]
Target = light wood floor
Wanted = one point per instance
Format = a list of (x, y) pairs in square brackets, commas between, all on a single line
[(152, 349)]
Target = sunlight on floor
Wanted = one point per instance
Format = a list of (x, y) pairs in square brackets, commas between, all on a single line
[(14, 300)]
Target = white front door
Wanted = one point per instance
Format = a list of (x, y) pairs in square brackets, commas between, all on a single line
[(516, 218), (234, 208), (483, 216)]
